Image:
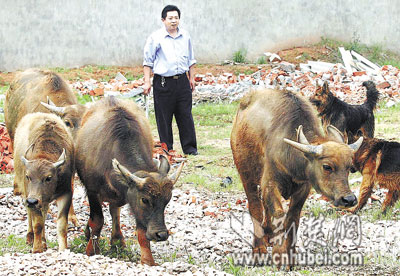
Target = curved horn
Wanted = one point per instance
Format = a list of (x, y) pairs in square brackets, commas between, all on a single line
[(49, 102), (174, 177), (301, 138), (357, 144), (317, 150), (60, 111), (336, 134), (60, 160), (127, 174), (24, 160)]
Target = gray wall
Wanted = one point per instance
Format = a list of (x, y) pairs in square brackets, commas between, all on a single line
[(59, 33)]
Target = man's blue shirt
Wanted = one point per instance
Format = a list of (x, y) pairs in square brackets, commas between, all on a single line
[(169, 56)]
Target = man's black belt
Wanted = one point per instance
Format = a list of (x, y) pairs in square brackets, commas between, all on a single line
[(174, 77)]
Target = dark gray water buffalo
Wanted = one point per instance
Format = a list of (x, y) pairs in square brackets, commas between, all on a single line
[(272, 156), (44, 168), (114, 161)]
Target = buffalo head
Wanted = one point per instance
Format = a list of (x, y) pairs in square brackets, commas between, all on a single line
[(41, 177), (148, 194), (329, 164)]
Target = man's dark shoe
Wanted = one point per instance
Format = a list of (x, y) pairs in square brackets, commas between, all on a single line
[(193, 153)]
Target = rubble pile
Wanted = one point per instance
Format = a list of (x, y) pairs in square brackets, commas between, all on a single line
[(345, 81), (6, 159)]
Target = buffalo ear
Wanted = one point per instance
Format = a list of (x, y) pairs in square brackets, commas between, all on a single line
[(336, 134), (129, 177), (164, 165), (301, 138)]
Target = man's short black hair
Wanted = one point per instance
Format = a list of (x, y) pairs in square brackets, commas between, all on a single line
[(169, 8)]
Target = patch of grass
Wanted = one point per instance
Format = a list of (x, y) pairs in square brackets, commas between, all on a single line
[(130, 253), (261, 60), (88, 69), (375, 53), (13, 244), (240, 55), (82, 99), (60, 70)]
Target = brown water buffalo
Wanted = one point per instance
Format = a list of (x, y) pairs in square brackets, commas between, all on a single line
[(114, 162), (44, 168), (274, 160), (28, 90), (27, 93)]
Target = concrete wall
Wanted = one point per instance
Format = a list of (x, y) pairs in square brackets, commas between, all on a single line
[(51, 33)]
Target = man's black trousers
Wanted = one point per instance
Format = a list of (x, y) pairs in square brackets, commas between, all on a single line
[(173, 97)]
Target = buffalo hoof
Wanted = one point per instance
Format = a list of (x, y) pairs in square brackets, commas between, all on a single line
[(262, 249), (40, 249), (147, 261), (29, 238), (73, 220), (92, 250)]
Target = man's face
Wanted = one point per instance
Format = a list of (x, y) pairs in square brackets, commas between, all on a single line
[(171, 21)]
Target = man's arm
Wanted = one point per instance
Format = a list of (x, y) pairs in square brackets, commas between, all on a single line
[(191, 77), (147, 84)]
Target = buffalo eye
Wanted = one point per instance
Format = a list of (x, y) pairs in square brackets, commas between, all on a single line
[(48, 178), (67, 123), (327, 168), (145, 201)]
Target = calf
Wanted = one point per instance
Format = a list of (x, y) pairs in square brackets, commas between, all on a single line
[(272, 156), (114, 162), (44, 168)]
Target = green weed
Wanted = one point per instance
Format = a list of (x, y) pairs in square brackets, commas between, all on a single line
[(240, 56), (261, 60), (13, 244)]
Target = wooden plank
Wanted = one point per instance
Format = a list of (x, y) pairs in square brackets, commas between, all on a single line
[(347, 60), (364, 60)]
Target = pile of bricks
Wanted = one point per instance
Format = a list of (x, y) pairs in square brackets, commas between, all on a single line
[(6, 159)]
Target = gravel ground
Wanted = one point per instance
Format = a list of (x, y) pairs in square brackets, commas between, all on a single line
[(205, 229)]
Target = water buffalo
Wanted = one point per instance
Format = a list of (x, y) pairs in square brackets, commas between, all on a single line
[(35, 90), (28, 90), (274, 160), (44, 168), (114, 162)]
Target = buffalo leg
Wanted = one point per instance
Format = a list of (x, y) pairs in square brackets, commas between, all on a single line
[(71, 215), (63, 203), (38, 220), (95, 224), (391, 197), (116, 234), (256, 211), (292, 220), (29, 235), (145, 252)]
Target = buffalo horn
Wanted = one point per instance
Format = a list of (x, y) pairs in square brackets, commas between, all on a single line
[(157, 163), (55, 109), (335, 134), (174, 177), (127, 174), (357, 144), (301, 138), (60, 160), (317, 150), (49, 102)]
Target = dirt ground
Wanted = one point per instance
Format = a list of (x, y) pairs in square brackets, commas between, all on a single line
[(293, 55)]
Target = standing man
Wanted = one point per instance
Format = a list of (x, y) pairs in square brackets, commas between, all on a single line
[(169, 53)]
